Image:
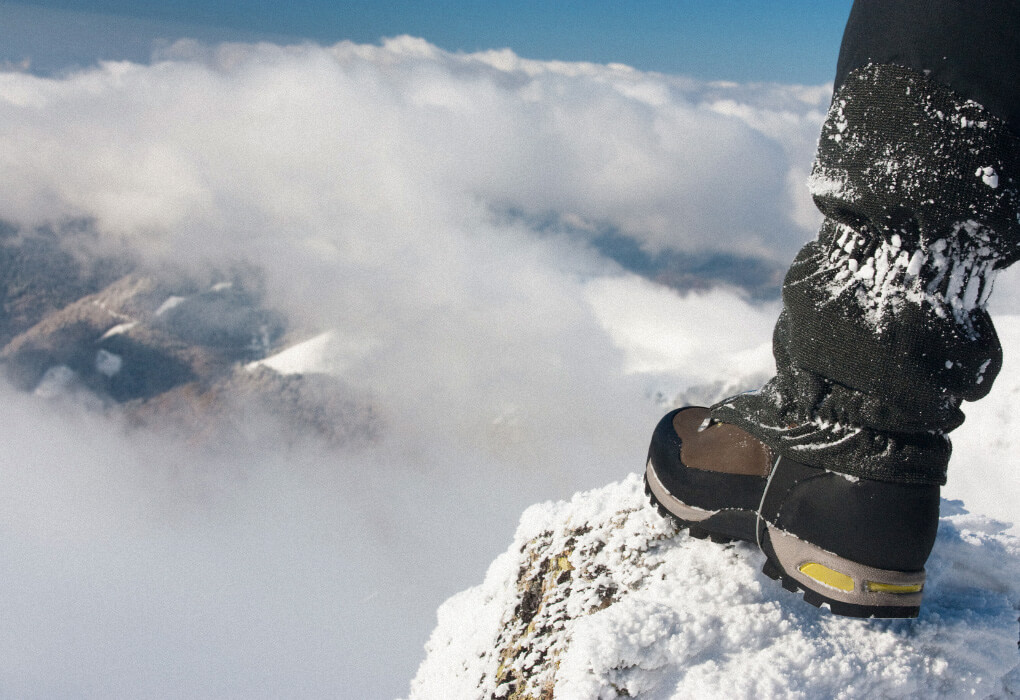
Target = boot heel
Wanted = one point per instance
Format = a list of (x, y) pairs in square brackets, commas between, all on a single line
[(856, 545), (847, 587)]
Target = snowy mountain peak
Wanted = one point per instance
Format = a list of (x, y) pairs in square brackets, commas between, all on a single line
[(312, 356), (600, 597)]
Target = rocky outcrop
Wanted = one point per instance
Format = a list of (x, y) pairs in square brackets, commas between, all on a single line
[(103, 338), (38, 276), (600, 597)]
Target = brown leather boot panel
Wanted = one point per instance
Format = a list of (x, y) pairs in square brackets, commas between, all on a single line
[(719, 447)]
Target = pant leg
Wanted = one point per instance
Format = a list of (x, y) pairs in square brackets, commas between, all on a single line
[(972, 47), (884, 331)]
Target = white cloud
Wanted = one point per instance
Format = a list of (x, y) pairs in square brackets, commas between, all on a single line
[(258, 144), (387, 193), (697, 338)]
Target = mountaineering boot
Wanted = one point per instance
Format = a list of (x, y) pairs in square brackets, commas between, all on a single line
[(858, 545), (708, 476), (884, 330), (884, 333)]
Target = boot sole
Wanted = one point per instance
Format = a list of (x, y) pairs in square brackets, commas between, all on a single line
[(720, 526), (848, 588)]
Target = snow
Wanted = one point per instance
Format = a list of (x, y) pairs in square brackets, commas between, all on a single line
[(699, 619), (326, 353), (960, 274), (826, 185), (307, 357), (119, 329), (55, 381), (170, 303), (988, 176), (691, 618), (108, 363)]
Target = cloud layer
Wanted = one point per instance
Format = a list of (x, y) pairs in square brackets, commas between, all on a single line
[(267, 144), (437, 215)]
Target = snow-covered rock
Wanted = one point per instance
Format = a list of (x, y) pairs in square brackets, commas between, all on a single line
[(313, 356), (600, 597)]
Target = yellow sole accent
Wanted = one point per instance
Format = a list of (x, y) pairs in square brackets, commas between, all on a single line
[(893, 587), (827, 576)]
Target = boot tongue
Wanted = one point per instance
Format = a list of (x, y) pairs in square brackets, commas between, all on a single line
[(718, 447)]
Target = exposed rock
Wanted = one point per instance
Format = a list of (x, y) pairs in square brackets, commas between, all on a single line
[(167, 350), (152, 361), (38, 276), (600, 597), (227, 318)]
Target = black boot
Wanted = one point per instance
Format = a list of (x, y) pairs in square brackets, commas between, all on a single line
[(883, 334), (708, 476), (855, 544)]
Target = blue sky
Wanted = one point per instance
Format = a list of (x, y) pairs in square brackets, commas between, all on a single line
[(782, 40)]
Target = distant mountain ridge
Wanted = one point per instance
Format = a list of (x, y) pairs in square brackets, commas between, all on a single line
[(160, 348)]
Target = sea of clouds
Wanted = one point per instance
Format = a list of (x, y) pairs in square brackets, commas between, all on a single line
[(439, 214)]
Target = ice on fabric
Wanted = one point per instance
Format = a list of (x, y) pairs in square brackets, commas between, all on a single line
[(953, 276)]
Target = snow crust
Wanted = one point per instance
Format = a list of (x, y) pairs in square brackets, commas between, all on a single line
[(310, 356), (108, 363), (691, 618), (119, 329), (326, 353), (54, 381), (170, 303)]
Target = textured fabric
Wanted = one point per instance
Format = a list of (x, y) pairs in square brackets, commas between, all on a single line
[(884, 331), (973, 47)]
